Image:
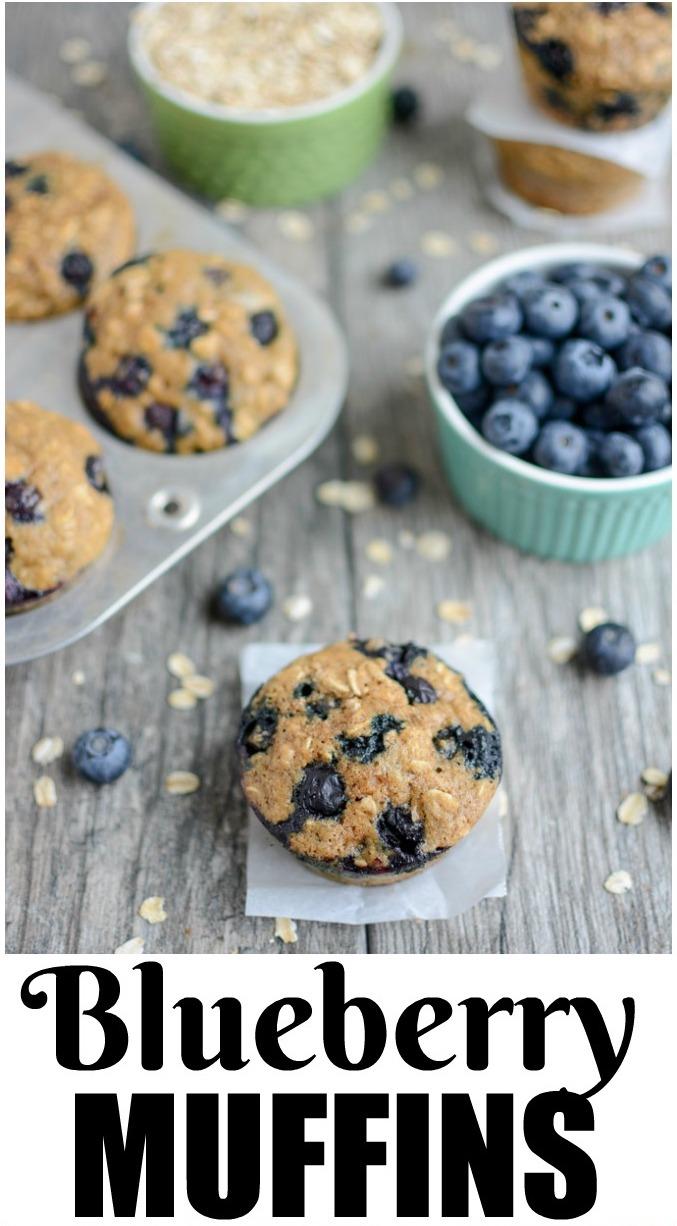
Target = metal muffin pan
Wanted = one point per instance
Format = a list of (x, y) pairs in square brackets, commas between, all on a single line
[(165, 505)]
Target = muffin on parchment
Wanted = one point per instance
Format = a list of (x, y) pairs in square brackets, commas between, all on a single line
[(185, 352), (58, 508), (368, 760), (604, 67), (67, 227)]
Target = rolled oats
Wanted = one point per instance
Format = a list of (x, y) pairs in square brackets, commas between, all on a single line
[(134, 945), (153, 909), (201, 687), (44, 791), (619, 882), (296, 608), (180, 665), (592, 616), (47, 750), (434, 546), (562, 649), (181, 700), (285, 930), (379, 551), (365, 449), (648, 653), (455, 611), (633, 809), (181, 783)]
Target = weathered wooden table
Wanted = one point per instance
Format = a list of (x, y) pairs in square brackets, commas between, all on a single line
[(77, 873)]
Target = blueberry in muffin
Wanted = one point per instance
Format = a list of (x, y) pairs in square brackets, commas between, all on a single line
[(368, 760)]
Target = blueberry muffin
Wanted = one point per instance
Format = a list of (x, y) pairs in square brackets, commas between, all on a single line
[(67, 227), (605, 67), (185, 351), (58, 508), (562, 179), (368, 760)]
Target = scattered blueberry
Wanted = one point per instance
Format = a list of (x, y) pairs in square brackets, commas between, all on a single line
[(458, 367), (511, 426), (550, 311), (507, 360), (656, 444), (605, 320), (22, 502), (399, 832), (131, 375), (660, 268), (166, 419), (185, 329), (400, 274), (608, 649), (620, 455), (77, 269), (649, 301), (583, 371), (650, 350), (637, 397), (244, 597), (396, 484), (257, 729), (96, 474), (209, 381), (368, 746), (479, 747), (406, 104), (263, 325), (561, 447), (102, 755), (320, 792), (491, 318)]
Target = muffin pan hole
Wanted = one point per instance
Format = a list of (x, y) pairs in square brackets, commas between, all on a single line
[(174, 508)]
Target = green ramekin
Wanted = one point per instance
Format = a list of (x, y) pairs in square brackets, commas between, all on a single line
[(281, 158), (574, 519)]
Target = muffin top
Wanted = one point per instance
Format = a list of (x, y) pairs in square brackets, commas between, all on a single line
[(67, 227), (369, 756), (186, 351)]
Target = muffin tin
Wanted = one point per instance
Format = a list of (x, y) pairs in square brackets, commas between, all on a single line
[(166, 505)]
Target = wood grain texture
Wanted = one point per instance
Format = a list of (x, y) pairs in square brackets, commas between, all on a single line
[(77, 873)]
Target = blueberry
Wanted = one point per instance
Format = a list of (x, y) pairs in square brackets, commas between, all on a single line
[(555, 58), (185, 329), (491, 318), (656, 445), (620, 455), (562, 409), (511, 426), (479, 747), (637, 397), (216, 275), (542, 350), (550, 311), (102, 755), (77, 269), (223, 416), (14, 169), (561, 447), (608, 649), (417, 688), (506, 360), (167, 420), (650, 350), (605, 320), (38, 185), (458, 367), (599, 417), (584, 290), (451, 331), (245, 596), (649, 301), (22, 502), (473, 404), (660, 268), (368, 746), (520, 282), (400, 274), (131, 375), (582, 370), (96, 474), (579, 270), (320, 792), (399, 832), (534, 390), (263, 327), (592, 466), (209, 381), (257, 729), (406, 104), (396, 484)]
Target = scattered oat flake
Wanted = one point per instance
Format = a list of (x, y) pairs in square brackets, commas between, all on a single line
[(297, 226), (44, 791), (455, 611), (483, 242), (648, 653), (562, 649), (655, 782), (181, 700), (201, 687), (78, 677), (428, 175), (47, 750), (592, 616), (433, 545), (487, 57), (365, 449), (662, 676), (437, 244), (414, 366), (297, 607), (379, 551), (89, 74), (179, 665), (181, 783), (352, 496), (153, 910), (231, 210), (633, 809), (285, 930), (619, 882), (401, 189), (406, 539), (357, 223), (74, 50), (372, 587), (241, 527), (376, 202), (133, 946)]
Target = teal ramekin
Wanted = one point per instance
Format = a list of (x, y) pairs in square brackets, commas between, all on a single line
[(287, 157), (573, 519)]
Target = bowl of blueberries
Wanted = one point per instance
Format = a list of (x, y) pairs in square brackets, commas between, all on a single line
[(550, 373)]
